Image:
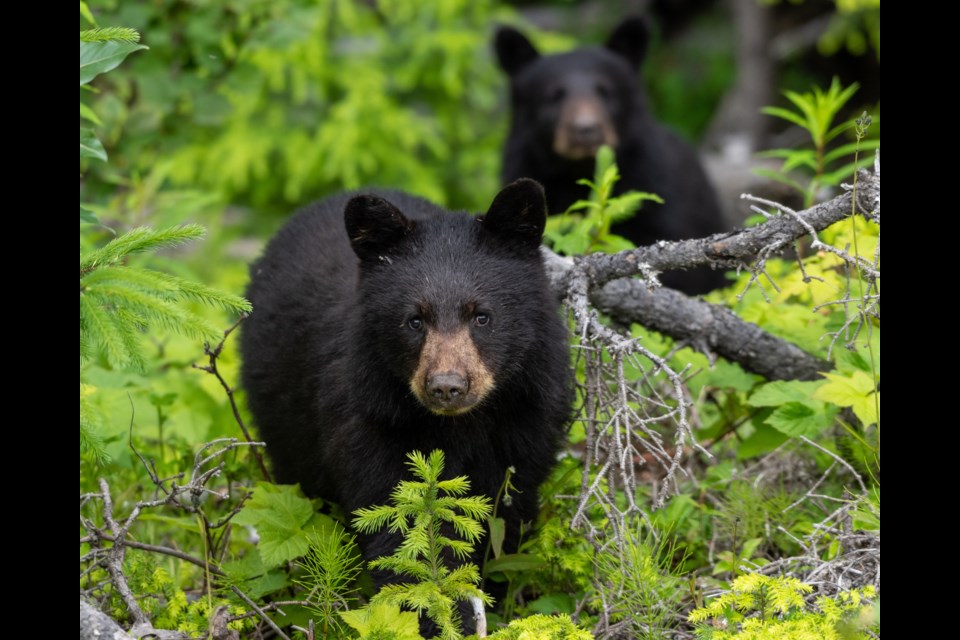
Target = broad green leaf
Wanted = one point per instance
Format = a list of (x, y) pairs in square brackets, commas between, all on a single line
[(383, 621), (849, 361), (90, 147), (100, 57), (497, 532), (856, 391), (88, 216), (276, 505), (515, 562), (256, 579), (800, 419), (284, 520), (763, 440), (87, 114), (553, 603), (774, 394)]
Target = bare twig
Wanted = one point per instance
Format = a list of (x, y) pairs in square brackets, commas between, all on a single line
[(212, 354), (261, 612)]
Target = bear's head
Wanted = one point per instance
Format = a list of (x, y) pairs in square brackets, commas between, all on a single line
[(452, 304), (571, 103)]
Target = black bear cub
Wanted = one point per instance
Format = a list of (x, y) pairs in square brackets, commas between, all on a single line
[(384, 324), (565, 106)]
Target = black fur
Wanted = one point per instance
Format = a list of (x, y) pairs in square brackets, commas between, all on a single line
[(328, 351), (651, 158)]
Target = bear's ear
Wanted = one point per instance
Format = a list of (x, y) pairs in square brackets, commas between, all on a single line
[(518, 215), (630, 40), (375, 227), (514, 51)]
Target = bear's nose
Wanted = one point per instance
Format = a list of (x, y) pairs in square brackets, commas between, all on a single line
[(586, 131), (447, 387)]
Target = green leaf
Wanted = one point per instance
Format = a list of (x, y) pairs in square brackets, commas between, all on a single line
[(849, 360), (87, 114), (277, 505), (774, 394), (624, 207), (88, 216), (498, 529), (516, 562), (100, 57), (763, 440), (553, 603), (383, 621), (85, 13), (779, 177), (800, 419), (90, 147), (784, 114), (284, 519), (857, 391)]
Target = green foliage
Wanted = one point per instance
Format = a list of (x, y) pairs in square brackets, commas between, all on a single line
[(576, 233), (119, 302), (424, 512), (330, 568), (760, 607), (814, 112), (383, 622), (855, 27), (167, 605), (277, 103), (285, 522), (99, 54), (542, 627), (640, 584)]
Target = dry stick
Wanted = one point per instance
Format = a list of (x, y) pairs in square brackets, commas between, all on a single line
[(263, 615), (114, 558), (270, 607), (843, 462), (213, 354), (167, 551)]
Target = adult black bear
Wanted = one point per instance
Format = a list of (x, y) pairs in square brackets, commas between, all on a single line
[(384, 324), (565, 106)]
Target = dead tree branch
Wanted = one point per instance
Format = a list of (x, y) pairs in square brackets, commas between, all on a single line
[(96, 625), (603, 280)]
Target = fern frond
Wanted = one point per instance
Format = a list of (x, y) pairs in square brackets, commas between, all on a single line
[(106, 34)]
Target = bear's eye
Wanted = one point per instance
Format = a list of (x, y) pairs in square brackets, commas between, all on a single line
[(415, 323), (603, 91), (481, 319), (556, 94)]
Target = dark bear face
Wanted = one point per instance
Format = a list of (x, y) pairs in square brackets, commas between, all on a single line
[(447, 322), (574, 102)]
